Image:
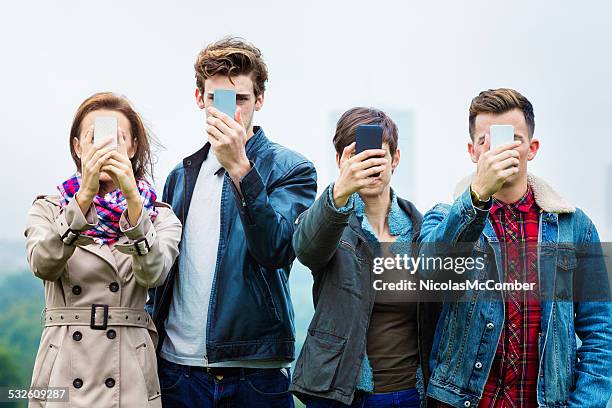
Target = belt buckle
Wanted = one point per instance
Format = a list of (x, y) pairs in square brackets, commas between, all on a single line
[(214, 373), (142, 246), (92, 322)]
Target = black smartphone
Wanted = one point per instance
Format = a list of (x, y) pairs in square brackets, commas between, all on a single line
[(368, 137)]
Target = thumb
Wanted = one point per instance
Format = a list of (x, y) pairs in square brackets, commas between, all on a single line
[(347, 152), (487, 142), (121, 143), (238, 116)]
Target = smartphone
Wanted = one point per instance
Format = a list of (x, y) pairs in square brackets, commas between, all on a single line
[(225, 101), (501, 135), (368, 137), (105, 127)]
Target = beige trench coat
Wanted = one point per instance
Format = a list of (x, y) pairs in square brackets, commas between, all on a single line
[(108, 361)]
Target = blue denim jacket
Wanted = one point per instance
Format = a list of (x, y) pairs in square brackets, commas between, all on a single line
[(469, 329)]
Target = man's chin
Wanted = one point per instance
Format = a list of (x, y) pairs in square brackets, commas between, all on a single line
[(374, 191)]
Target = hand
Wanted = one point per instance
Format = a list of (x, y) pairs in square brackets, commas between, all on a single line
[(228, 139), (357, 172), (494, 168), (119, 168), (93, 156)]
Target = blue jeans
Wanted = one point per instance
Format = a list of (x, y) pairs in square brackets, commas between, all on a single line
[(399, 399), (185, 386)]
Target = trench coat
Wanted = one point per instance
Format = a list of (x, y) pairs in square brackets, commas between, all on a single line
[(98, 341)]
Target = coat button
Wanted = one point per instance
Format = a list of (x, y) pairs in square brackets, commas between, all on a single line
[(77, 383), (478, 365), (77, 336), (76, 289), (111, 334), (110, 383), (467, 404), (114, 287), (490, 325)]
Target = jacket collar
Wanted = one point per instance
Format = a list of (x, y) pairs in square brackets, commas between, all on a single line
[(545, 197), (196, 159), (416, 218), (399, 222)]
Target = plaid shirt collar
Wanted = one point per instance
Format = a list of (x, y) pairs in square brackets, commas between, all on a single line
[(523, 204)]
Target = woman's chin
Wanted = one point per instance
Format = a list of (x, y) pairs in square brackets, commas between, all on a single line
[(105, 177)]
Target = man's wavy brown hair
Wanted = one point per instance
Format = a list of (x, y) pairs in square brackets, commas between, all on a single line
[(231, 56)]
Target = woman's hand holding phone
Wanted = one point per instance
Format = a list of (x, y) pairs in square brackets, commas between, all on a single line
[(93, 157), (356, 172), (119, 168)]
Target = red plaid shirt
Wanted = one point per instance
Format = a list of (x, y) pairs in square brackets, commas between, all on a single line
[(513, 377)]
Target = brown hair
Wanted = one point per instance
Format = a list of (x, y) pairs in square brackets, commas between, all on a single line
[(231, 56), (348, 122), (142, 164), (500, 101)]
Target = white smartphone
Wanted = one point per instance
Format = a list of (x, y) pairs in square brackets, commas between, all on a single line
[(105, 127), (501, 135)]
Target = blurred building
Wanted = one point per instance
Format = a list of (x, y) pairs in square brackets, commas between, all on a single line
[(608, 198)]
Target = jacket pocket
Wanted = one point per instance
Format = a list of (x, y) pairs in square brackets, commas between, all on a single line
[(321, 356), (266, 293), (145, 354), (44, 367), (566, 258), (566, 269)]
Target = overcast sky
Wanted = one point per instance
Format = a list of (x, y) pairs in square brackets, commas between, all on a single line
[(427, 59)]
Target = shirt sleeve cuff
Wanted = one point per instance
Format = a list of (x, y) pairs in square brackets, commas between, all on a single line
[(347, 208)]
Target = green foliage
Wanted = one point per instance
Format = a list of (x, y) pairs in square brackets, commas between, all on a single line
[(21, 302)]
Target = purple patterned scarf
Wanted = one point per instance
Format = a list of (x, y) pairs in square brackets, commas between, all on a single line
[(109, 208)]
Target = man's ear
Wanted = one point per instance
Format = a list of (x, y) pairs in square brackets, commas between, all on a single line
[(472, 152), (338, 157), (395, 159), (259, 101), (534, 146), (199, 98)]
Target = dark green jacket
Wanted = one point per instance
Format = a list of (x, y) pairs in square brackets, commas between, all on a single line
[(333, 246)]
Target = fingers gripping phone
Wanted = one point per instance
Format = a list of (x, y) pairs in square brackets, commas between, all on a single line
[(105, 127), (225, 101), (368, 137), (501, 135)]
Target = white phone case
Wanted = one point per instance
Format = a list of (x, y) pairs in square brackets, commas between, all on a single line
[(105, 127), (501, 135)]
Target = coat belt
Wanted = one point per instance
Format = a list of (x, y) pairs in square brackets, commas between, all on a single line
[(97, 316)]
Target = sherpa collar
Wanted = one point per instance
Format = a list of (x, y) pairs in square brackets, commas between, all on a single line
[(399, 222), (546, 198)]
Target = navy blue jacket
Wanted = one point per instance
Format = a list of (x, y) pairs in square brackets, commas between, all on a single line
[(250, 314)]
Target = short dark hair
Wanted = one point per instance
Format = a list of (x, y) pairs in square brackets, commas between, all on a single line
[(348, 122), (231, 56), (500, 101)]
